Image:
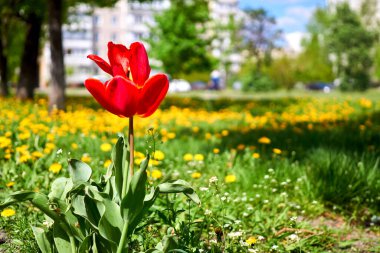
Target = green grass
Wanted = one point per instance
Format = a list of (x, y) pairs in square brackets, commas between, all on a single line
[(327, 173)]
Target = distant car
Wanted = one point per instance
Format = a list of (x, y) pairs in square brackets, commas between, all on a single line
[(198, 85), (320, 86), (179, 85)]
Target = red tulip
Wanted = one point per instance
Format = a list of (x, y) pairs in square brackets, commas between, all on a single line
[(130, 91)]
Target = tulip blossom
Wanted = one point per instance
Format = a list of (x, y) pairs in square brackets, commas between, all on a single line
[(130, 91)]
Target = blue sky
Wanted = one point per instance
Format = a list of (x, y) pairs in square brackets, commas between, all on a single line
[(291, 15)]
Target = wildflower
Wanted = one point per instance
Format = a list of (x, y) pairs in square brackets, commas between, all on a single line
[(199, 157), (277, 151), (105, 147), (86, 158), (37, 154), (8, 212), (256, 155), (159, 155), (208, 212), (264, 140), (10, 184), (74, 146), (225, 133), (188, 157), (196, 175), (5, 142), (203, 189), (156, 174), (235, 234), (55, 168), (216, 151), (107, 163), (230, 178), (241, 147), (130, 91), (213, 179), (171, 135), (251, 240)]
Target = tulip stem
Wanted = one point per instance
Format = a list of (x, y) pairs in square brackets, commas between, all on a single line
[(131, 147)]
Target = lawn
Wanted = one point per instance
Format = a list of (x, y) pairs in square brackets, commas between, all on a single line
[(283, 172)]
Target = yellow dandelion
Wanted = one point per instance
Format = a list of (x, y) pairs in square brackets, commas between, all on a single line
[(159, 155), (241, 147), (277, 151), (264, 140), (199, 157), (107, 163), (105, 147), (5, 142), (8, 212), (171, 135), (188, 157), (230, 178), (10, 184), (156, 174), (196, 175), (55, 168), (216, 151), (256, 155), (37, 154), (251, 240), (86, 158), (225, 133), (208, 136)]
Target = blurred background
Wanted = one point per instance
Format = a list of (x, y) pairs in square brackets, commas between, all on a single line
[(201, 44)]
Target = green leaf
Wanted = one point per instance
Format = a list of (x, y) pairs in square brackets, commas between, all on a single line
[(61, 240), (42, 240), (60, 187), (120, 154), (84, 247), (179, 186), (111, 222), (79, 171), (88, 208)]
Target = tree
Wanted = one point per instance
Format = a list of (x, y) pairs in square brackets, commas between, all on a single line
[(350, 43), (260, 36), (179, 40), (314, 51)]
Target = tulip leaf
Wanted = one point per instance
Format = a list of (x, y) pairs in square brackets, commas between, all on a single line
[(179, 186), (111, 222), (79, 171), (60, 187), (133, 202), (120, 154), (84, 247), (61, 240), (42, 240)]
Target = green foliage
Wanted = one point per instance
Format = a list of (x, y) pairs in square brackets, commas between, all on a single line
[(351, 43), (178, 38), (96, 217), (282, 72)]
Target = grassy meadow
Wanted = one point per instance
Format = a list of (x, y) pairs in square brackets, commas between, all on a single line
[(286, 172)]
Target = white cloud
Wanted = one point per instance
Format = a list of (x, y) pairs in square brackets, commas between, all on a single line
[(286, 21), (300, 12), (294, 39)]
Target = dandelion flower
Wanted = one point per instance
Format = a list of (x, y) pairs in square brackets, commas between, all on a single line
[(251, 240), (264, 140), (55, 168), (159, 155), (230, 179), (199, 157), (188, 157), (196, 175), (156, 174), (277, 151), (105, 147), (8, 212), (256, 155)]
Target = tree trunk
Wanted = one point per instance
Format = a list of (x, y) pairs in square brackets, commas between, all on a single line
[(57, 84), (29, 74), (4, 91)]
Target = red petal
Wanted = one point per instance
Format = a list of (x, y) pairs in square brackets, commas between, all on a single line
[(98, 91), (101, 63), (118, 54), (123, 96), (139, 63), (152, 94)]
